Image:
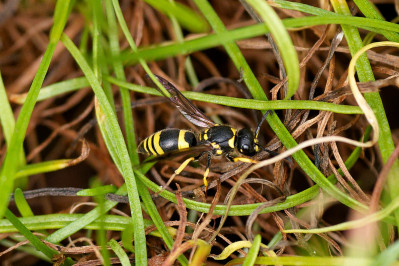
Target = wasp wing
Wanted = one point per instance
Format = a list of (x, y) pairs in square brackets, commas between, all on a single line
[(185, 106)]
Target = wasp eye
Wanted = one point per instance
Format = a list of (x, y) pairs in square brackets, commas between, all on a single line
[(247, 150)]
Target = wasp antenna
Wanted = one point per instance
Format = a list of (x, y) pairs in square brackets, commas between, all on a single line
[(261, 122), (268, 151), (273, 153)]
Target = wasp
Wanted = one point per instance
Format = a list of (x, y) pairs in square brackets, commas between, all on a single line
[(213, 140)]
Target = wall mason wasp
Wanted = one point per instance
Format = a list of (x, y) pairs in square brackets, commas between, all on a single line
[(214, 140)]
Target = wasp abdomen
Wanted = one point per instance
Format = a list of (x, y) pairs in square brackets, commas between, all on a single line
[(167, 140)]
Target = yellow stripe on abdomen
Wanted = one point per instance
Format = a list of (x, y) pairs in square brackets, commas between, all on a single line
[(158, 148), (149, 145), (145, 145), (182, 143)]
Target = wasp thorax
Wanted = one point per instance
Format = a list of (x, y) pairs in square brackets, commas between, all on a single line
[(245, 142)]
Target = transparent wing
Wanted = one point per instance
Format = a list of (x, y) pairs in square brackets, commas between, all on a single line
[(185, 106)]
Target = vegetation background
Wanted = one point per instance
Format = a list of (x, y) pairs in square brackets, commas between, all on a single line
[(74, 104)]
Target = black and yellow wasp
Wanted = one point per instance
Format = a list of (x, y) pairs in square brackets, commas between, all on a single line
[(214, 140)]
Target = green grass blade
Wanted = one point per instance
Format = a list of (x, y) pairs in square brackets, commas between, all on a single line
[(253, 251), (43, 167), (275, 123), (97, 17), (123, 258), (74, 84), (83, 221), (61, 13), (127, 237), (151, 209), (188, 18), (365, 7), (87, 219), (101, 190), (201, 252), (365, 73), (144, 193), (22, 205), (233, 50), (283, 42), (100, 67), (39, 245), (120, 74), (26, 249), (56, 221), (54, 90), (388, 256), (6, 115), (309, 261), (12, 159), (248, 103), (369, 11), (212, 40), (101, 236), (116, 146), (301, 7), (7, 122), (189, 67)]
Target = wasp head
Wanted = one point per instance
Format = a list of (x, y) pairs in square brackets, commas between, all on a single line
[(246, 142)]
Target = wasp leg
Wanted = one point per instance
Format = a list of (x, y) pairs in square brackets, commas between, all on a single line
[(239, 159), (178, 171), (196, 158), (244, 160), (207, 172)]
